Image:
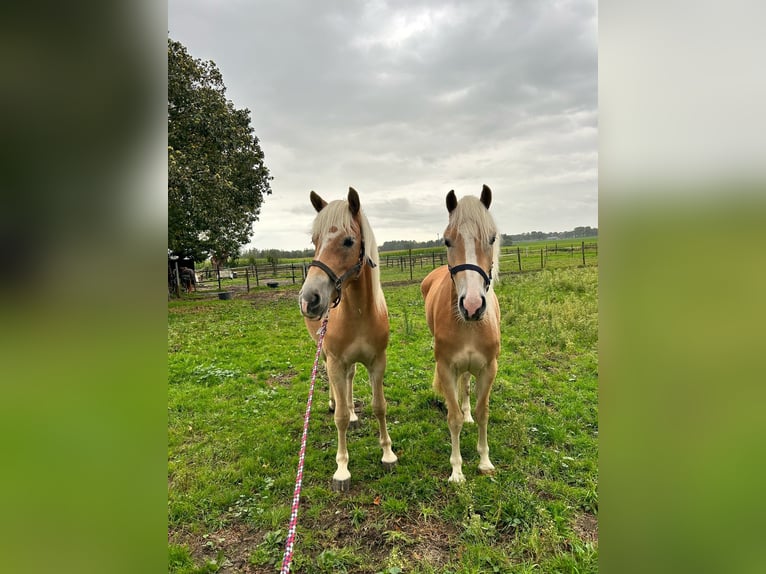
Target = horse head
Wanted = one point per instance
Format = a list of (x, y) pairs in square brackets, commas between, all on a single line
[(339, 253), (472, 251)]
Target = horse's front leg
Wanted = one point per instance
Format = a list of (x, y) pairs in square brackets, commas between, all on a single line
[(336, 372), (447, 382), (376, 370), (483, 387)]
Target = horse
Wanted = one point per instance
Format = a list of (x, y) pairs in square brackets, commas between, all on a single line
[(188, 279), (463, 316), (344, 281)]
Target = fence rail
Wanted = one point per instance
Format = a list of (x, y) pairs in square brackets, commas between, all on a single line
[(399, 267)]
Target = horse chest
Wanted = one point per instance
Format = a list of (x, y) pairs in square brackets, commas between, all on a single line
[(354, 347), (471, 351)]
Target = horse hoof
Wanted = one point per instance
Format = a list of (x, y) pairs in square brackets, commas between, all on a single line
[(487, 471), (354, 425), (389, 466), (341, 485)]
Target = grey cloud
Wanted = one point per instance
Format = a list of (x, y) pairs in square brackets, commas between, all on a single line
[(406, 100)]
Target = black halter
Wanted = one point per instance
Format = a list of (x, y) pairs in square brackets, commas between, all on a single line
[(471, 267), (338, 281)]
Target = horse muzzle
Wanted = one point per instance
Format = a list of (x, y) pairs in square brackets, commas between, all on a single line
[(472, 308), (312, 304)]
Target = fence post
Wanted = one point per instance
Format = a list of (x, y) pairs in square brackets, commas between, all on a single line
[(433, 260), (541, 258), (518, 254), (178, 281), (247, 278), (583, 254), (410, 264), (218, 272), (257, 283), (292, 268)]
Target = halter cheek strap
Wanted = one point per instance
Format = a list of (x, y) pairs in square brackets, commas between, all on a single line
[(338, 281), (471, 267)]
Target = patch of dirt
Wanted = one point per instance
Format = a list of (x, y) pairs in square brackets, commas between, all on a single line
[(187, 309), (586, 527), (260, 298), (282, 379), (417, 541), (236, 542), (433, 542)]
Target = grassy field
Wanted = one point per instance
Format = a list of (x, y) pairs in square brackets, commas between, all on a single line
[(238, 380)]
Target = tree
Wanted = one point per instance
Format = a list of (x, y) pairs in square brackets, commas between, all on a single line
[(216, 174)]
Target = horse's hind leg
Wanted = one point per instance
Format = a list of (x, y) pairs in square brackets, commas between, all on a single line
[(483, 387), (464, 386), (336, 372), (376, 371), (353, 421), (331, 400)]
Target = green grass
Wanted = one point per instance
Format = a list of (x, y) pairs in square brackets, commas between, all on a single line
[(238, 380)]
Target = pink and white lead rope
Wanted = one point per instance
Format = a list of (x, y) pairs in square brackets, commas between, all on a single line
[(288, 557)]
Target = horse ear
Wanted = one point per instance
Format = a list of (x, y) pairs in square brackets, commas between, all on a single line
[(317, 201), (486, 196), (353, 201), (451, 201)]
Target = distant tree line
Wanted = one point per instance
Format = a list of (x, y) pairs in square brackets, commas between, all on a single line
[(576, 233), (253, 256), (400, 244)]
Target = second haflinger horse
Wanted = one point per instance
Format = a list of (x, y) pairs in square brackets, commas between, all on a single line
[(344, 281), (464, 318)]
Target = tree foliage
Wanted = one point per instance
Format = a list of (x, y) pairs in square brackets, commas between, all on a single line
[(217, 178)]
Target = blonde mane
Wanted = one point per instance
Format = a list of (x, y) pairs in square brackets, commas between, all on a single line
[(337, 214), (472, 218)]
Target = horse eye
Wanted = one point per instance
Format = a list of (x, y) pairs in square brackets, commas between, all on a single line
[(492, 239), (447, 242), (348, 242)]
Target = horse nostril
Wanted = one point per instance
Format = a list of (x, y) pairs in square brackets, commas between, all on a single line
[(460, 302), (314, 300)]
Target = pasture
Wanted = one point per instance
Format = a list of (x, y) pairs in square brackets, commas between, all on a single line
[(239, 374)]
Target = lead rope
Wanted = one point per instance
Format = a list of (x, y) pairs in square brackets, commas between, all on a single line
[(288, 557)]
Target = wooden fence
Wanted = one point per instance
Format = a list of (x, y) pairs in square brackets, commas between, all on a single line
[(402, 266)]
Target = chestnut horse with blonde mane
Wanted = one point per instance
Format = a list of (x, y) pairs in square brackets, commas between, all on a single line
[(464, 318), (344, 281)]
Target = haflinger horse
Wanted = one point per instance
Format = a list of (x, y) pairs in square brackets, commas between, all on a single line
[(464, 318), (344, 281)]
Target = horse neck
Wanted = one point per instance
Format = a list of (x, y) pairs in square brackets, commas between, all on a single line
[(358, 294)]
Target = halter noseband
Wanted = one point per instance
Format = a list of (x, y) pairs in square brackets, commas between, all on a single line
[(338, 281), (471, 267)]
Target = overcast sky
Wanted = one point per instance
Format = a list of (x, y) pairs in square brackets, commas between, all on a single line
[(405, 100)]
